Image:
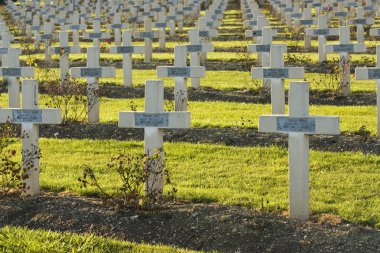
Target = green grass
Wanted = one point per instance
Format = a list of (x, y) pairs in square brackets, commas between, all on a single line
[(20, 240), (229, 114), (346, 184)]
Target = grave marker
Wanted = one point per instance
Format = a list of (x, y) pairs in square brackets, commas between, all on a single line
[(153, 120), (299, 125), (92, 73), (30, 116)]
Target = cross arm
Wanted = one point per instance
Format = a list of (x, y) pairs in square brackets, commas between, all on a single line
[(35, 116), (367, 73), (350, 48), (66, 50), (278, 73), (149, 35), (159, 120), (308, 125), (258, 48), (103, 72), (171, 71), (99, 35), (205, 47), (17, 72), (127, 49), (322, 32)]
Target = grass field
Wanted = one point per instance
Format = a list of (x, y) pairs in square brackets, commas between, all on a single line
[(346, 184)]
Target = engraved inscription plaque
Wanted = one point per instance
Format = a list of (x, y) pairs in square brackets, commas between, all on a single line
[(35, 28), (306, 22), (95, 35), (178, 72), (91, 72), (374, 73), (321, 32), (360, 21), (344, 48), (3, 50), (296, 15), (340, 14), (116, 26), (27, 116), (151, 119), (46, 36), (75, 27), (160, 25), (203, 34), (263, 48), (276, 73), (302, 125), (148, 35), (11, 72), (125, 50), (194, 48)]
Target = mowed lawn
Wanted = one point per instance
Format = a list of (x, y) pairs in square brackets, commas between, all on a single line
[(20, 240), (346, 184)]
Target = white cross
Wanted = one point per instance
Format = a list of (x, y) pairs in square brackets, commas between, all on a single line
[(116, 27), (12, 71), (360, 21), (194, 49), (299, 125), (47, 37), (127, 50), (148, 34), (64, 50), (344, 48), (97, 34), (264, 49), (161, 25), (75, 27), (153, 120), (278, 73), (30, 116), (322, 31), (372, 74), (180, 72), (93, 72)]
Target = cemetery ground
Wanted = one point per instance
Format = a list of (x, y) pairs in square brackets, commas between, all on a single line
[(232, 181)]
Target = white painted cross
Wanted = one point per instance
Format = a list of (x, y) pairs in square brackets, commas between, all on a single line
[(47, 37), (30, 116), (360, 21), (161, 25), (372, 74), (322, 31), (299, 125), (148, 35), (93, 72), (267, 36), (12, 71), (97, 34), (76, 27), (127, 50), (194, 49), (116, 27), (180, 72), (278, 73), (154, 120), (344, 48)]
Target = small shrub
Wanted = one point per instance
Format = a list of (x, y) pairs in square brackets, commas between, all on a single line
[(133, 172)]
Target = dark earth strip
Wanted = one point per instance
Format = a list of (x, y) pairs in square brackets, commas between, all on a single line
[(193, 226), (224, 136)]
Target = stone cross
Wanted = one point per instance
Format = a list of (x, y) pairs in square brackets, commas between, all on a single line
[(322, 31), (76, 27), (264, 49), (97, 34), (278, 73), (161, 25), (372, 74), (180, 72), (47, 37), (148, 35), (299, 125), (344, 48), (30, 116), (306, 21), (127, 50), (360, 21), (93, 72), (154, 120), (194, 49), (64, 50), (116, 27), (12, 72)]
